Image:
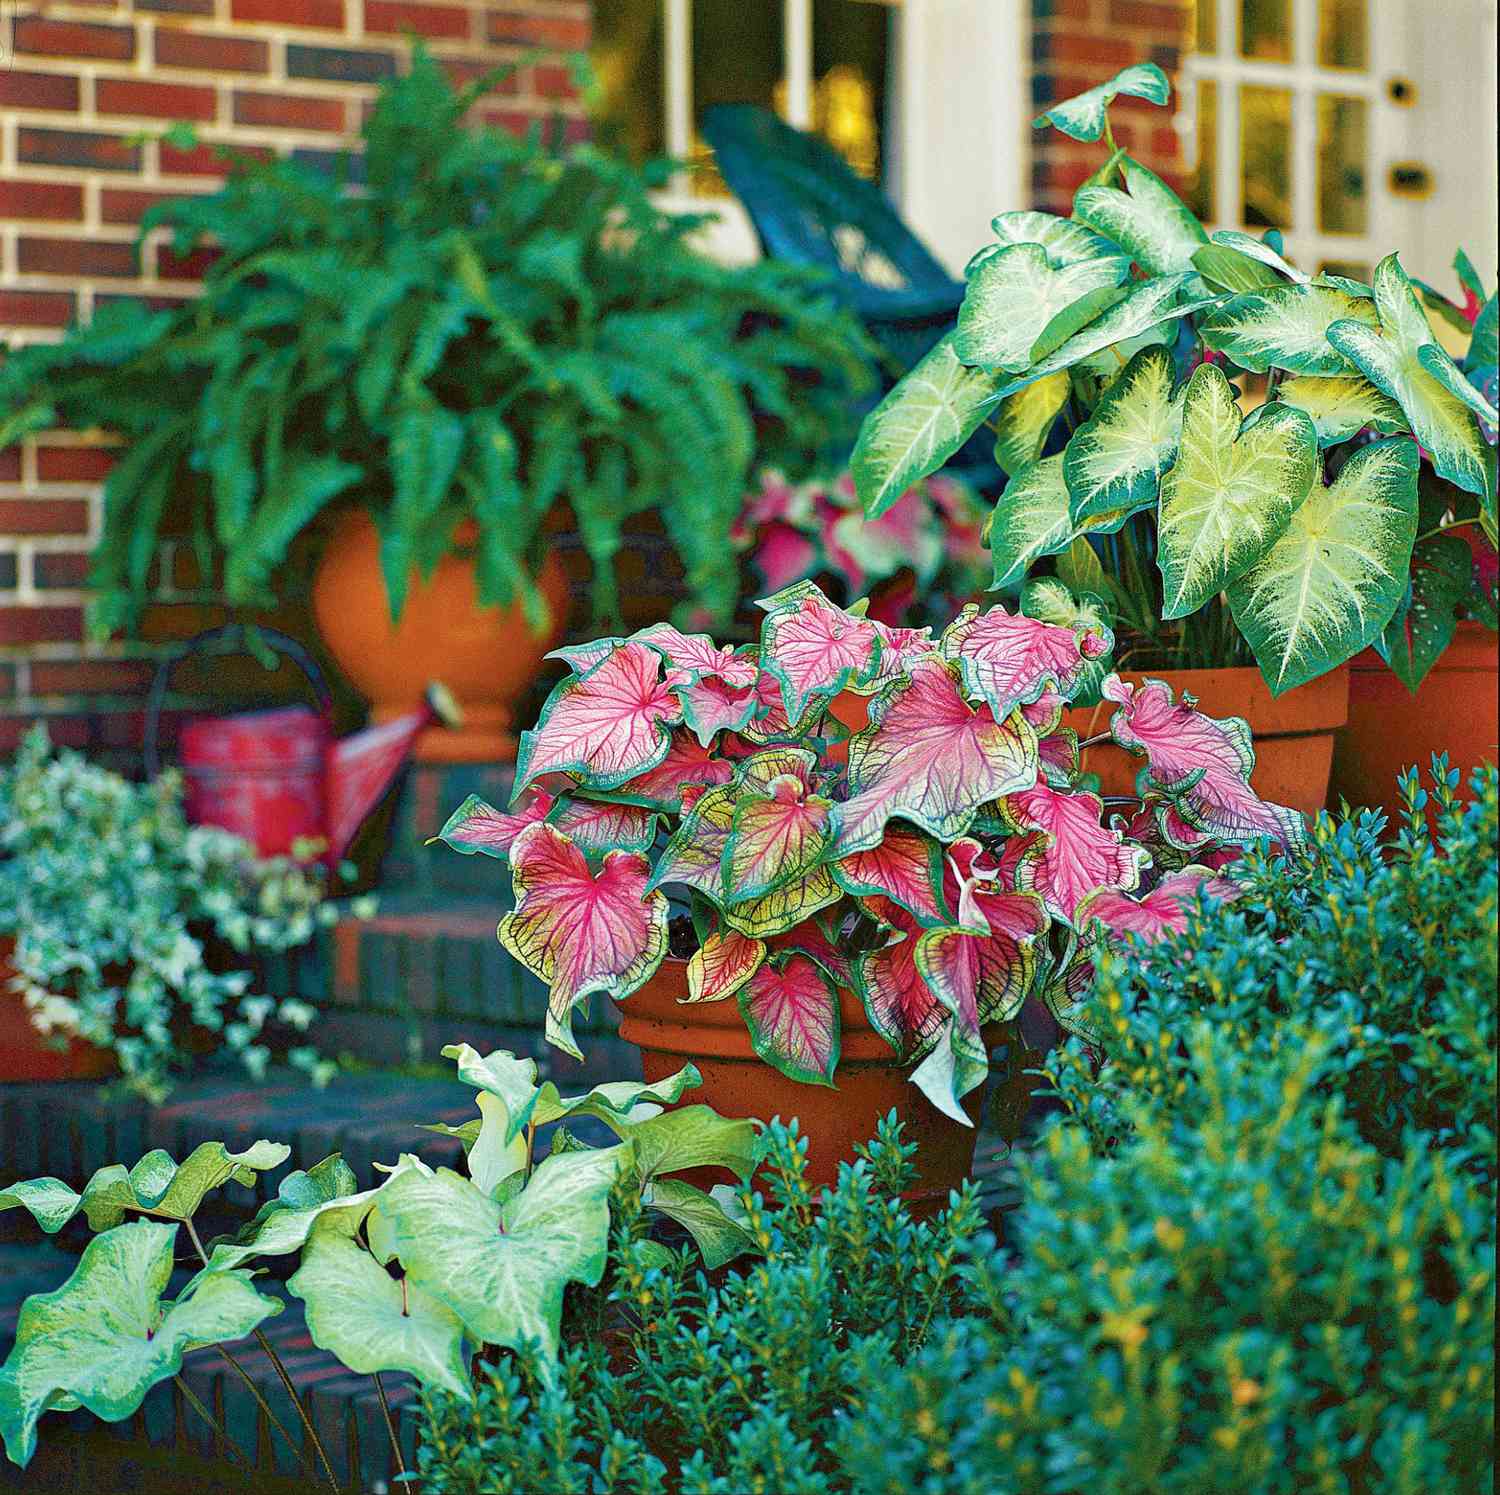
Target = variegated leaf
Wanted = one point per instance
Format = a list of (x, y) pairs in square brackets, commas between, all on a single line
[(1083, 116), (598, 826), (793, 1017), (1153, 915), (906, 867), (785, 907), (686, 763), (1033, 518), (900, 1004), (1258, 249), (1342, 406), (1012, 660), (1065, 240), (712, 705), (722, 965), (1148, 220), (775, 837), (697, 654), (1425, 619), (694, 856), (1285, 328), (814, 648), (476, 826), (1025, 419)]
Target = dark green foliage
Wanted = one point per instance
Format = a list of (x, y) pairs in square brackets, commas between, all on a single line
[(490, 328)]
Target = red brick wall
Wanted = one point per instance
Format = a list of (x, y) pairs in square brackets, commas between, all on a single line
[(77, 82), (1078, 43)]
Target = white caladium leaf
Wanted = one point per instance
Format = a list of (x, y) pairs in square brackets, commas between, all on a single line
[(494, 1156), (1403, 360), (922, 422), (1025, 419), (1232, 492), (1033, 518), (930, 758), (502, 1268), (1285, 328), (1258, 249), (793, 1017), (1012, 297), (722, 964), (688, 1137), (1329, 585), (715, 1220), (373, 1322), (1083, 116), (105, 1337), (1227, 270), (814, 648), (1012, 660), (616, 1101), (579, 931), (1114, 462), (906, 868), (1065, 240), (1342, 406), (1148, 220)]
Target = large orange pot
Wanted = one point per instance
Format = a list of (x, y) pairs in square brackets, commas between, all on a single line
[(486, 656), (1292, 733), (1454, 711), (869, 1082), (26, 1055)]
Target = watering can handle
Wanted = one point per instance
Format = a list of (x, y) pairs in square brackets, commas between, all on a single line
[(237, 633)]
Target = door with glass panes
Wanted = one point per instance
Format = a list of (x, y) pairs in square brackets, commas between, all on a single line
[(1354, 127)]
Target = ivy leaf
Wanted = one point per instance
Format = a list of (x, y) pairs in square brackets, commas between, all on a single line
[(1341, 406), (1232, 492), (1426, 618), (793, 1017), (1403, 360), (1024, 420), (105, 1337), (1329, 585), (1285, 328), (1148, 220), (714, 1220), (1083, 116)]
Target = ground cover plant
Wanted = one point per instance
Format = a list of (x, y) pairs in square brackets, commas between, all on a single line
[(1114, 353)]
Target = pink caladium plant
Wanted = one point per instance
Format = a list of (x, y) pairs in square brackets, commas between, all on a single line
[(947, 863)]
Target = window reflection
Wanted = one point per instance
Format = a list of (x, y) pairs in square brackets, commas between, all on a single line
[(1265, 157)]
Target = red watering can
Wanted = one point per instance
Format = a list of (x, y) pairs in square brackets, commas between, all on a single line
[(278, 777)]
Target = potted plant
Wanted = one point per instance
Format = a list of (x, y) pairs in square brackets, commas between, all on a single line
[(491, 340), (1220, 453), (116, 917), (847, 920)]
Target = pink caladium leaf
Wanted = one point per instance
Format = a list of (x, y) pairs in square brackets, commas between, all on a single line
[(900, 1005), (712, 705), (686, 762), (1162, 911), (698, 655), (784, 555), (900, 650), (907, 867), (777, 835), (1058, 752), (1011, 660), (1080, 853), (607, 726), (695, 853), (930, 758), (809, 938), (814, 649), (722, 965), (770, 723), (599, 826), (579, 930), (793, 1016), (1199, 762), (476, 826)]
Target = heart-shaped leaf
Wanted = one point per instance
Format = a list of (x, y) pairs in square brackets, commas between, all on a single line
[(1153, 915), (372, 1322), (598, 826), (615, 1100), (694, 854), (1232, 492), (579, 931), (1024, 420), (1012, 297), (1148, 220), (1285, 327), (1012, 660), (1403, 360), (793, 1017), (900, 1004), (687, 764), (929, 757), (906, 867), (712, 705), (716, 1221), (814, 649), (697, 655), (1114, 462), (1083, 116), (775, 838), (1328, 586), (105, 1337), (722, 964), (476, 826), (1341, 407), (1426, 617), (1033, 518), (688, 1137), (1065, 240)]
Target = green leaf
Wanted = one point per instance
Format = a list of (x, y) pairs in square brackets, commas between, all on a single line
[(1066, 241), (502, 1268), (922, 422), (1148, 220), (1257, 249), (1032, 518), (1426, 618), (1232, 492), (501, 1074), (718, 1233), (1024, 420), (1328, 586), (1285, 328), (616, 1100), (1116, 459), (689, 1137), (496, 1153), (426, 444), (1013, 296), (1083, 116), (372, 1322), (1232, 271), (1403, 360), (105, 1337), (1074, 317), (1484, 345), (1341, 406)]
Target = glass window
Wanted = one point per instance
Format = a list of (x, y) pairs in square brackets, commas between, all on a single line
[(1343, 36), (1265, 157), (1266, 30), (1343, 173)]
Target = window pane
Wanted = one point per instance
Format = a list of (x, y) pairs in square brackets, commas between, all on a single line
[(1343, 38), (1265, 157), (627, 56), (1206, 26), (1343, 196), (1349, 269), (851, 41), (1266, 30), (1200, 189), (737, 59)]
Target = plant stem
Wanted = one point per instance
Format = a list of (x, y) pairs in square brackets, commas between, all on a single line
[(191, 1397), (390, 1427), (1438, 529)]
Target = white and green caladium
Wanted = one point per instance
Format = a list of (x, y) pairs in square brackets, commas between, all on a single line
[(1341, 406), (1231, 493), (1085, 117), (1065, 239), (1025, 419), (1285, 327), (1148, 220)]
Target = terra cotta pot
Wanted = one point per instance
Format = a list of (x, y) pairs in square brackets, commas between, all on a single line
[(486, 656), (1454, 711), (868, 1083), (25, 1054)]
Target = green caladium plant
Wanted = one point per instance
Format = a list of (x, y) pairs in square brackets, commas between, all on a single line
[(1175, 411)]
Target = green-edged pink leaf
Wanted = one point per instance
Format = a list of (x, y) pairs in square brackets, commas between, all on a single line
[(1160, 912), (810, 939), (1422, 383), (1201, 763), (598, 826), (898, 1001), (1024, 420), (1012, 660), (1341, 407), (785, 907), (1328, 586), (712, 705), (1285, 327), (1065, 240), (1115, 460), (1148, 220), (1232, 492), (929, 757), (697, 654), (581, 932), (900, 649), (770, 722), (606, 726), (476, 826), (812, 648), (1083, 116), (581, 658), (906, 867), (793, 1018), (694, 856), (1080, 852), (687, 763), (1013, 295), (724, 962), (775, 837), (760, 770)]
